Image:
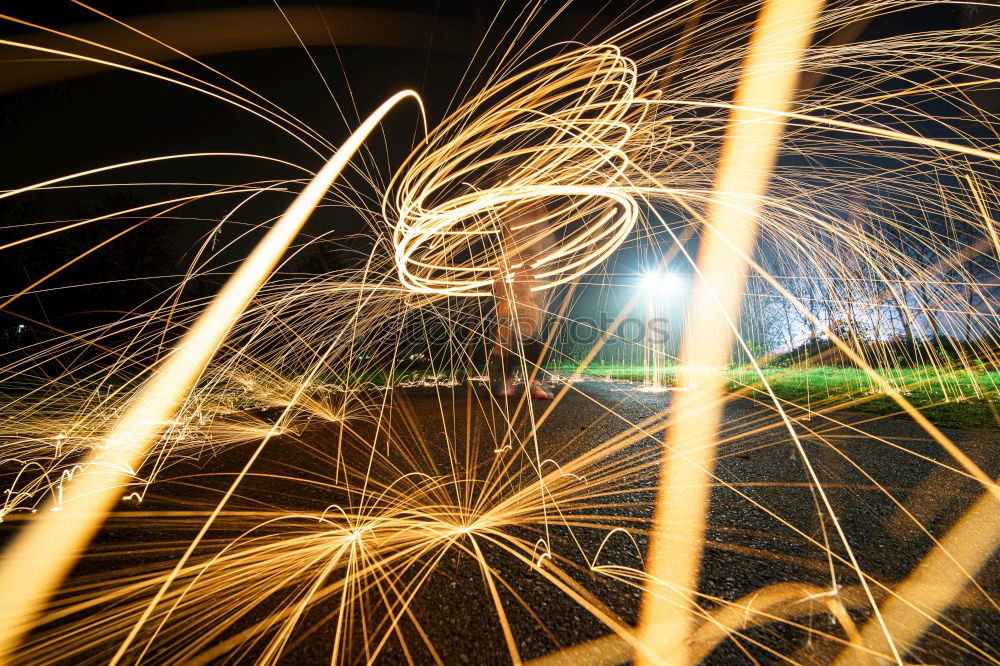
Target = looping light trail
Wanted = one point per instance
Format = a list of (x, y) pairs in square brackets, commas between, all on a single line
[(559, 135), (855, 215)]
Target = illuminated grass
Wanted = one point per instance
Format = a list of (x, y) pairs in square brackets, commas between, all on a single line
[(960, 398)]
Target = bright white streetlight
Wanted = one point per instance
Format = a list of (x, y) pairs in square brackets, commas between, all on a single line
[(661, 289), (661, 282)]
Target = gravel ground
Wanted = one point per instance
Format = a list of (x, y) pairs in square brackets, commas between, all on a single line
[(746, 547)]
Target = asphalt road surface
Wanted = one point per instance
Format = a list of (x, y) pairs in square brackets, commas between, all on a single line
[(752, 540)]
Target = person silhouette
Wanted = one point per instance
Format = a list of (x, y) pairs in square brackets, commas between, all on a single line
[(521, 305)]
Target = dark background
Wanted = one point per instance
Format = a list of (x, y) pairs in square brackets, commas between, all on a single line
[(113, 116)]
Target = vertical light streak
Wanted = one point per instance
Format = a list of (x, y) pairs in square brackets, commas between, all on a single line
[(655, 347), (588, 135), (42, 555), (768, 83)]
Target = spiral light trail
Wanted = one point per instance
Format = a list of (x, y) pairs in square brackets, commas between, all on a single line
[(307, 462)]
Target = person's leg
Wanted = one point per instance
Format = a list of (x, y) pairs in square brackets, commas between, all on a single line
[(501, 362), (533, 358)]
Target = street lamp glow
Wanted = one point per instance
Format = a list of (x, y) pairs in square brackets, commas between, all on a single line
[(661, 282)]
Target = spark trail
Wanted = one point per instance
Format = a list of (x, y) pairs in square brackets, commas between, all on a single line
[(846, 230)]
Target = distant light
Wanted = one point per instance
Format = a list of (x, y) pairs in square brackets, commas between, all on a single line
[(661, 282), (21, 327)]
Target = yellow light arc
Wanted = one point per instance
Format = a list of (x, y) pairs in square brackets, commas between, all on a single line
[(40, 557)]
